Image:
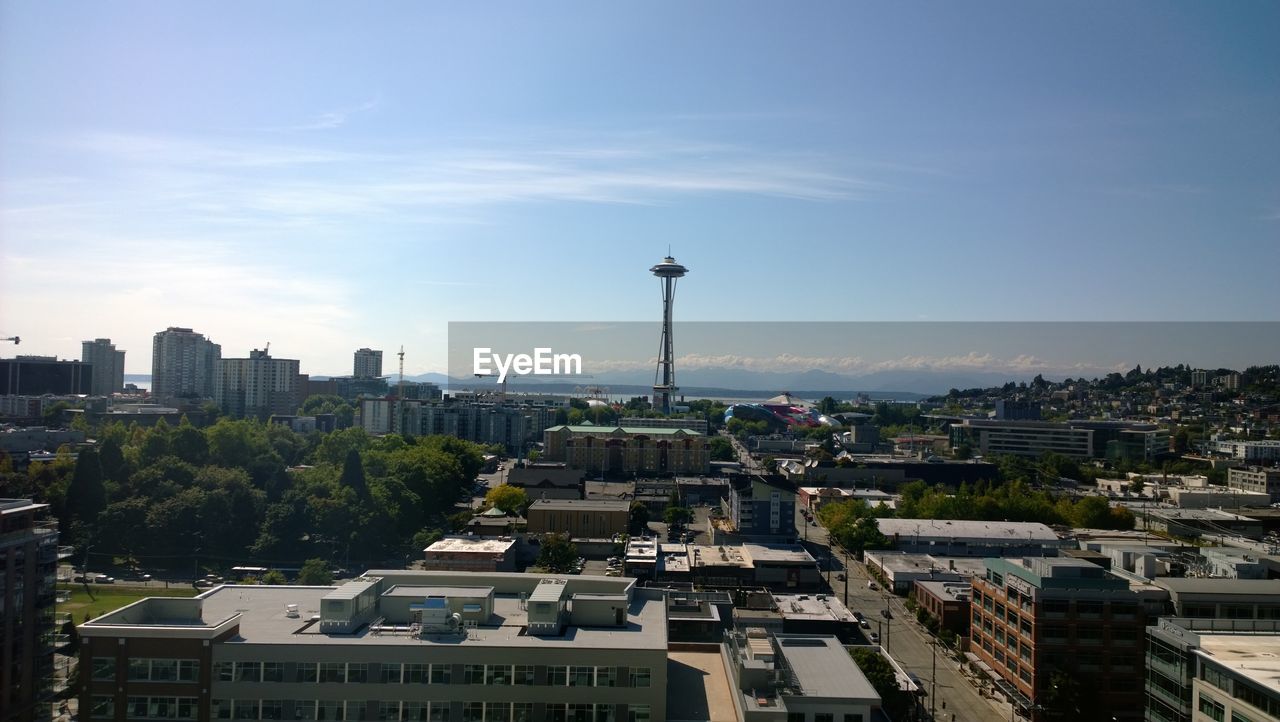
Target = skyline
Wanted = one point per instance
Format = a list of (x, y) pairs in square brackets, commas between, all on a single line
[(833, 163)]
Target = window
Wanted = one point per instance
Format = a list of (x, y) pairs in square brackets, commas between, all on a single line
[(332, 672), (357, 672), (606, 677), (557, 712), (104, 669), (273, 671), (306, 672), (640, 676), (581, 677), (581, 712), (272, 708), (823, 717), (521, 712), (523, 674), (188, 708), (604, 713), (248, 671), (1025, 674), (472, 711), (852, 717), (139, 670), (414, 711), (558, 676), (795, 717), (497, 674), (472, 674), (221, 709), (440, 673), (1212, 708), (102, 706), (497, 712), (1025, 627), (638, 713), (164, 670), (440, 712), (304, 709), (390, 673), (329, 709), (389, 710), (1237, 717), (246, 709)]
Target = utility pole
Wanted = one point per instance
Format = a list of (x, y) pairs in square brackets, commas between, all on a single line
[(933, 681)]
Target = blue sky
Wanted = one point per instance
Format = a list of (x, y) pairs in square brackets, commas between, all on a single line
[(326, 176)]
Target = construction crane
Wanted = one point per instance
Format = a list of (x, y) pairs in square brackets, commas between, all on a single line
[(502, 389), (397, 422), (15, 339)]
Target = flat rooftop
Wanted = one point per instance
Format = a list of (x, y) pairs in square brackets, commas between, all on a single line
[(465, 544), (1008, 531), (793, 554), (698, 687), (824, 607), (1250, 656), (582, 504), (261, 613), (824, 668)]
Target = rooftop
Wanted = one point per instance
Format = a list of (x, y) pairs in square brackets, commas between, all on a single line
[(812, 607), (582, 504), (467, 544), (1205, 585), (956, 528), (1253, 657), (634, 430), (823, 667)]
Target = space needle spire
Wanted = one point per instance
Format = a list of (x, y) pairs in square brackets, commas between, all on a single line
[(664, 378)]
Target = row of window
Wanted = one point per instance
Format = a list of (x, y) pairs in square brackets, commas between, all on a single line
[(337, 710), (146, 669), (1243, 690), (413, 673), (823, 717), (158, 708)]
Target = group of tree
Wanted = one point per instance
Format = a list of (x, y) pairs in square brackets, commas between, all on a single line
[(1009, 501), (248, 491)]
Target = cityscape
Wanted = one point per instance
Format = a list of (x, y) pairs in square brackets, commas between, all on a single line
[(393, 452)]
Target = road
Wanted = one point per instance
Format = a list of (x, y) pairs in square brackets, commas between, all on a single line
[(903, 638)]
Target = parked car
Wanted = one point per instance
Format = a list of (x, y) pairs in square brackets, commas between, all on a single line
[(871, 585), (875, 638), (864, 624)]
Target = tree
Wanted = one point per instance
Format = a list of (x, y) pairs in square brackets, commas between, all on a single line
[(557, 554), (721, 449), (1137, 485), (638, 522), (87, 496), (677, 516), (883, 679), (507, 498), (274, 577), (353, 474), (315, 573)]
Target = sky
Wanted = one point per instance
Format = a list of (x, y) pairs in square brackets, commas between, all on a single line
[(326, 176)]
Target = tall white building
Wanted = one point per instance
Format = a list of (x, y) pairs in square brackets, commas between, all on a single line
[(258, 385), (368, 363), (182, 364), (108, 366)]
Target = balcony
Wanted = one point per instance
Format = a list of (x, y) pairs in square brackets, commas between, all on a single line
[(65, 552)]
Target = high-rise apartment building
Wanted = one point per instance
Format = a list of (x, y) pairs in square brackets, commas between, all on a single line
[(258, 386), (108, 366), (29, 555), (182, 364), (1037, 622), (368, 363)]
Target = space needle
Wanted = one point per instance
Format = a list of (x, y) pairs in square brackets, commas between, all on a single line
[(664, 378)]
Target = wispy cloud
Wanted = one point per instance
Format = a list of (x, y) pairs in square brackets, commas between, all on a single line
[(1020, 364), (332, 119)]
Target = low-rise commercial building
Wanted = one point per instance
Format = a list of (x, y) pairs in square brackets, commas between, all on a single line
[(1217, 497), (900, 571), (947, 602), (587, 518), (1250, 452), (392, 645), (548, 481), (471, 554), (958, 538), (629, 449), (1194, 523)]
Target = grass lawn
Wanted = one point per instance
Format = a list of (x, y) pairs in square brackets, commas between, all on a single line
[(108, 597)]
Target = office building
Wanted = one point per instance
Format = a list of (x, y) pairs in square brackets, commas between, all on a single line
[(391, 645), (796, 678), (1256, 479), (582, 518), (182, 364), (41, 375), (1038, 618), (368, 364), (645, 422), (628, 450), (258, 386), (108, 366), (1213, 669), (29, 555), (1250, 452), (1208, 598), (1017, 410)]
